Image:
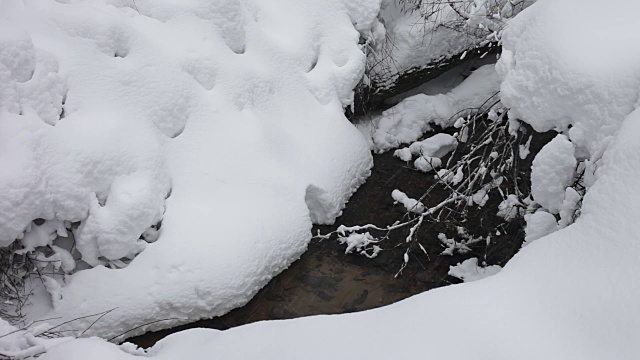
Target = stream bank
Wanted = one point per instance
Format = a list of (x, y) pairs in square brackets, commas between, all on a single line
[(325, 280)]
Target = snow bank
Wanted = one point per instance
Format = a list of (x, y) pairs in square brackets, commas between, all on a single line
[(230, 109), (590, 85), (416, 34), (412, 117), (570, 295), (587, 94)]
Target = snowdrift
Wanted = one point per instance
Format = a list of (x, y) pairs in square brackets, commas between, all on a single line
[(214, 128)]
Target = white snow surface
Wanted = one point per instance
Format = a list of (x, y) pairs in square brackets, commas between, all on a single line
[(469, 270), (589, 72), (233, 107), (539, 224), (411, 205), (552, 172)]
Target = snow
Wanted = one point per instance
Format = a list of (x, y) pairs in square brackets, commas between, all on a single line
[(112, 230), (42, 235), (429, 151), (469, 270), (452, 246), (598, 68), (524, 150), (360, 243), (18, 343), (403, 154), (569, 295), (569, 207), (223, 120), (539, 224), (433, 31), (412, 117), (437, 145), (552, 172)]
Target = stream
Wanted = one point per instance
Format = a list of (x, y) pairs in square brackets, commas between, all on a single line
[(325, 280)]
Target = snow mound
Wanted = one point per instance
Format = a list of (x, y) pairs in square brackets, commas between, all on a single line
[(469, 270), (539, 224), (541, 51), (202, 117)]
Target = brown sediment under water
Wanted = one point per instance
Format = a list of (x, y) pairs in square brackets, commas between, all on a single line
[(325, 280)]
